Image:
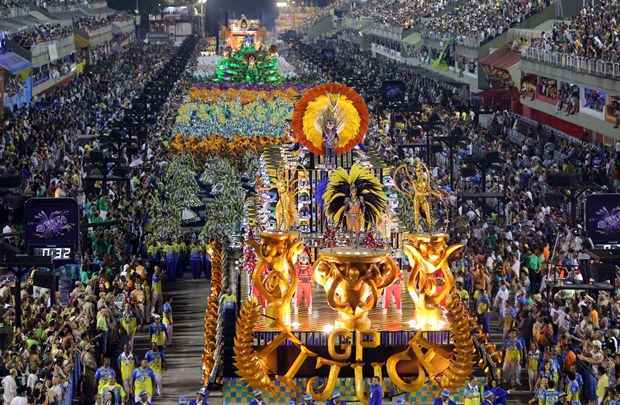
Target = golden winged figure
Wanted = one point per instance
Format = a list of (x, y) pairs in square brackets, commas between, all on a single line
[(418, 188)]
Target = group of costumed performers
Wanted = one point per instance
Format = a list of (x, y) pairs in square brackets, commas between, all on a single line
[(179, 256)]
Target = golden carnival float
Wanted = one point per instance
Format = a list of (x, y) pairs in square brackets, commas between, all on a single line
[(322, 313)]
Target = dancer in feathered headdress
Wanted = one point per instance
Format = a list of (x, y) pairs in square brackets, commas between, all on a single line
[(354, 198)]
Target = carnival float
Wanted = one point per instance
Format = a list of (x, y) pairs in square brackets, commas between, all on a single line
[(336, 285)]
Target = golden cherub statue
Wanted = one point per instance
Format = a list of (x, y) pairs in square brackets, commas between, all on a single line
[(417, 188)]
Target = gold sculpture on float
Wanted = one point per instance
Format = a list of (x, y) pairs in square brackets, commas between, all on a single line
[(286, 207), (354, 280), (430, 279), (274, 275), (418, 189)]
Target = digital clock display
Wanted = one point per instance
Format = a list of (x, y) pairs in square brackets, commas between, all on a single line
[(56, 253)]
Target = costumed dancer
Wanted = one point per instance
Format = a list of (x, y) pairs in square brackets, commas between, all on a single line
[(182, 258), (104, 374), (512, 360), (168, 322), (143, 381), (155, 360), (392, 291), (126, 363), (489, 397), (256, 293), (258, 398), (157, 331), (376, 392), (482, 308), (156, 290), (471, 394), (129, 325), (202, 397), (354, 198), (500, 395), (444, 399), (196, 260), (304, 283), (170, 260), (533, 363), (112, 394), (334, 399), (331, 122), (144, 399)]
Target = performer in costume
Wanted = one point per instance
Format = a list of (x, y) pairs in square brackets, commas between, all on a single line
[(533, 363), (129, 325), (258, 399), (112, 394), (329, 127), (156, 290), (513, 350), (471, 394), (354, 213), (482, 307), (167, 321), (144, 399), (170, 260), (202, 396), (304, 283), (157, 330), (488, 398), (376, 392), (393, 291), (444, 399), (155, 360), (104, 374), (354, 198), (334, 399), (196, 260), (143, 380), (126, 363)]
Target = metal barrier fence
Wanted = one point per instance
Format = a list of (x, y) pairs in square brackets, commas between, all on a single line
[(595, 67)]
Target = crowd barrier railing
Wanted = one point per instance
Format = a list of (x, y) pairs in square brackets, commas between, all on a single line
[(581, 64)]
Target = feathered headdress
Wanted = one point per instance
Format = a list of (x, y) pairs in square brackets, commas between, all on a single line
[(368, 188)]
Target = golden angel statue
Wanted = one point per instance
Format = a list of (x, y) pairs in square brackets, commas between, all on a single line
[(418, 189)]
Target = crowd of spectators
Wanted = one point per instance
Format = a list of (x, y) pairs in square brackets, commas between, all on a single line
[(118, 287), (468, 20), (15, 8), (13, 85), (89, 24), (591, 33), (406, 14), (516, 246), (480, 21), (41, 33)]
